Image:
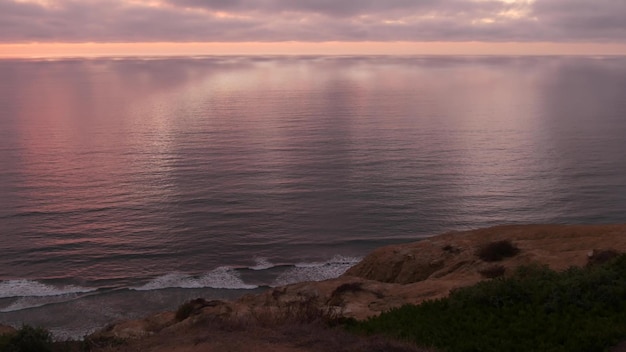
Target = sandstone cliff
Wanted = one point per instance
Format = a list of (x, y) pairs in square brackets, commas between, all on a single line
[(395, 275)]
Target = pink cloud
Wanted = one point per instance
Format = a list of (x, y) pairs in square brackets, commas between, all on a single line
[(310, 20)]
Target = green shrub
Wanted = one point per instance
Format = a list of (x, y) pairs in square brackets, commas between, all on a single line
[(347, 287), (28, 339), (536, 309), (496, 251), (184, 311), (601, 256), (190, 308), (4, 342)]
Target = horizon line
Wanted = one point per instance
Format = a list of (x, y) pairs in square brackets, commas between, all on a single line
[(38, 50)]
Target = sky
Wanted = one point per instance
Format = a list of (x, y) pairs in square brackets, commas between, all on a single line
[(58, 27)]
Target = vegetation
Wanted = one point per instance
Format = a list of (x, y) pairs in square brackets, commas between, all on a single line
[(601, 256), (533, 309), (186, 309), (496, 251), (96, 343), (302, 312), (302, 323), (4, 342), (27, 339), (451, 249), (536, 309)]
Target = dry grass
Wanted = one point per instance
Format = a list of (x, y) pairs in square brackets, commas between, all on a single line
[(298, 327), (492, 272), (304, 311)]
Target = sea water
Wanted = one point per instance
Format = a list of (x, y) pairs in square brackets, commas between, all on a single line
[(128, 186)]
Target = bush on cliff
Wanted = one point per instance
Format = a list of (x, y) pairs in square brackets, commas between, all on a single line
[(581, 309), (496, 251), (27, 339)]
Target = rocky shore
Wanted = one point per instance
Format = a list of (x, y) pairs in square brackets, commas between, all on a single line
[(389, 277)]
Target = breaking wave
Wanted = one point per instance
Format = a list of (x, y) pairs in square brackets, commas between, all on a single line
[(317, 271), (30, 288), (220, 278)]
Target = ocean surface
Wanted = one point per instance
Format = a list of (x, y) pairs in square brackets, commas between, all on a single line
[(128, 186)]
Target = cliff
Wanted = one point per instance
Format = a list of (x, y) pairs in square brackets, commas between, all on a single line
[(389, 277)]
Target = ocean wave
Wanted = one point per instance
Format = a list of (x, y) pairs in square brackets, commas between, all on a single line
[(316, 271), (35, 302), (220, 278), (336, 260), (30, 288), (262, 264)]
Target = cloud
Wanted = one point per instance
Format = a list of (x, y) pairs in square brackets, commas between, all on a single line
[(597, 20), (333, 8), (311, 20)]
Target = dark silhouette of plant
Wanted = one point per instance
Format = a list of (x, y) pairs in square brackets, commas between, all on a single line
[(451, 249), (535, 309), (29, 339), (496, 251), (347, 287), (192, 307), (601, 256)]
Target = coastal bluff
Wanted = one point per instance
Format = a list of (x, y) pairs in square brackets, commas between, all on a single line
[(395, 275)]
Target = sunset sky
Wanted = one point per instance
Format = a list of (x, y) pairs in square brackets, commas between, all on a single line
[(174, 27)]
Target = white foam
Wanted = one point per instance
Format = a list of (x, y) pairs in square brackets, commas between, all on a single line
[(19, 305), (262, 264), (222, 277), (336, 260), (29, 288), (34, 302), (316, 271)]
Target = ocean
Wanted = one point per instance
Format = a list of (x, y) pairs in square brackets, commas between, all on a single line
[(129, 185)]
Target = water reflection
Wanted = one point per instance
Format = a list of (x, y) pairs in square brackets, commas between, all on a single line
[(186, 163), (584, 123)]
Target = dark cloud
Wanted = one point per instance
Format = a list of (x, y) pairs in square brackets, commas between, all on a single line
[(343, 8), (312, 20), (598, 20), (332, 8)]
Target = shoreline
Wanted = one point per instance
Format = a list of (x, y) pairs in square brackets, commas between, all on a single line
[(392, 276)]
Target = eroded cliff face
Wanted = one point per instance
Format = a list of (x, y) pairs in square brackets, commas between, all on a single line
[(453, 255), (409, 273)]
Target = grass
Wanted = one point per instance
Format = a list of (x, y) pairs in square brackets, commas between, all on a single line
[(536, 309), (302, 323), (305, 311)]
